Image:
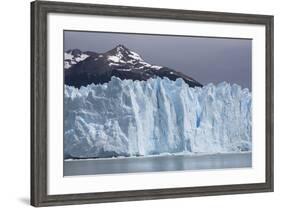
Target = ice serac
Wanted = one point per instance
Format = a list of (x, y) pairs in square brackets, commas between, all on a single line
[(131, 118)]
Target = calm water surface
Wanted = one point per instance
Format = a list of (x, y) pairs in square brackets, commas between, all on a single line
[(156, 164)]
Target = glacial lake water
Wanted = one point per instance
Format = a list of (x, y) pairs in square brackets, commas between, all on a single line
[(157, 164)]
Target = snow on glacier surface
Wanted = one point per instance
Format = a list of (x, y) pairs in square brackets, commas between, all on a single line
[(131, 118)]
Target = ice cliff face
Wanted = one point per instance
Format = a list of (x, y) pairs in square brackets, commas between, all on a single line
[(128, 118)]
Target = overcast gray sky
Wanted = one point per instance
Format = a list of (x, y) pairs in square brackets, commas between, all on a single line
[(205, 59)]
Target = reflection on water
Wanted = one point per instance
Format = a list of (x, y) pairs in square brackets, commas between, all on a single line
[(155, 164)]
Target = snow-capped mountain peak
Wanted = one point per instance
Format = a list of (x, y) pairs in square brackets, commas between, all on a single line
[(121, 49), (122, 54), (83, 68), (72, 57)]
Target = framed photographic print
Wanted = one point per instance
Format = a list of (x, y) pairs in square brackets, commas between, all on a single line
[(131, 103)]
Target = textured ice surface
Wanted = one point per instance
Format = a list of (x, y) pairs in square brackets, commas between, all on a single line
[(129, 118)]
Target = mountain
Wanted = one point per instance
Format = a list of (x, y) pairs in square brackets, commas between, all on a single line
[(84, 68), (132, 118), (72, 57)]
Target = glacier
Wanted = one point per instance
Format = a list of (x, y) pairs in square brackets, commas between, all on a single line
[(157, 116)]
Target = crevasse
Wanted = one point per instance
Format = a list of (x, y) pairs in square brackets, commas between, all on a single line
[(131, 118)]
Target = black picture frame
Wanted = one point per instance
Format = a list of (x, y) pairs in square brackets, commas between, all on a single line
[(39, 98)]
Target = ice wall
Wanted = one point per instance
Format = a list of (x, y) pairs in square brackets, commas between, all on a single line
[(128, 118)]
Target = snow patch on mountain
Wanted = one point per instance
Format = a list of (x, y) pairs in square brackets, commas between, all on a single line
[(129, 118), (115, 59), (135, 56), (125, 56), (70, 59), (156, 67)]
